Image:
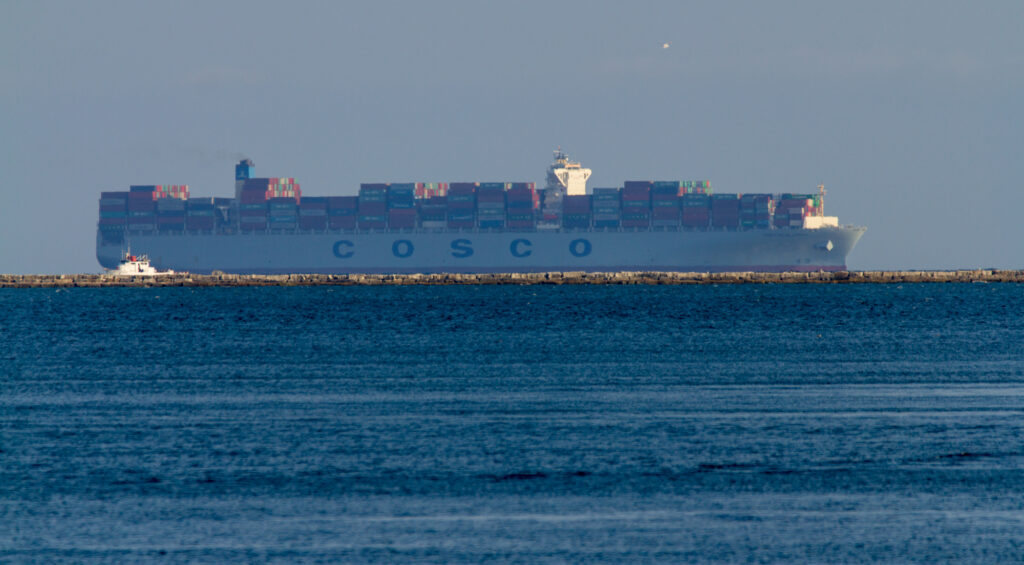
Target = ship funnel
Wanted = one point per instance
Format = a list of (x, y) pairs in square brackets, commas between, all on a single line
[(243, 170)]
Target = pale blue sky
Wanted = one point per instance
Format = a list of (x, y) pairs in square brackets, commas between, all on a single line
[(909, 112)]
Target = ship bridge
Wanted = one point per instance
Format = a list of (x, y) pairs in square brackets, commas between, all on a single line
[(567, 175)]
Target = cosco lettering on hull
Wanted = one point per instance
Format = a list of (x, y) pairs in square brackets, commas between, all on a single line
[(461, 248)]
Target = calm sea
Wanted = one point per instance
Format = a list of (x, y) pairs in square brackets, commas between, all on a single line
[(513, 424)]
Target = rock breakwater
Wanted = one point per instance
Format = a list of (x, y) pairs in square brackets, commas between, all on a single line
[(555, 278)]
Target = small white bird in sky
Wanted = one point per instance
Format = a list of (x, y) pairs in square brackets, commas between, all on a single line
[(666, 45)]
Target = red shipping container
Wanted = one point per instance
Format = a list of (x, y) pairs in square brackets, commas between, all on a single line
[(576, 204), (490, 195), (342, 202), (253, 196), (341, 222), (523, 194), (402, 218), (422, 191), (312, 222)]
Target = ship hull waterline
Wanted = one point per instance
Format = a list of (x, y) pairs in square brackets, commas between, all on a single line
[(438, 251)]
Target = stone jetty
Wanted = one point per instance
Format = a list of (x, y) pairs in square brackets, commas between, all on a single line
[(556, 278)]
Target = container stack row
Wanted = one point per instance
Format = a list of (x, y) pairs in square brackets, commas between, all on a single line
[(263, 189), (208, 214), (268, 203), (431, 189), (756, 211), (522, 200), (636, 204), (277, 204), (791, 209), (606, 204), (144, 208), (461, 205)]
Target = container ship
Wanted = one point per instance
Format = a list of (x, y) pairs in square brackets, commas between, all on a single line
[(473, 227)]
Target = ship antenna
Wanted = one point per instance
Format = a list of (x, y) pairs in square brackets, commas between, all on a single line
[(821, 195)]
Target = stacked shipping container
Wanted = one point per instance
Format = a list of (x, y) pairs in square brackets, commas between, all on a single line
[(373, 206), (170, 214), (159, 191), (791, 210), (313, 213), (461, 205), (522, 202), (342, 212), (577, 212), (725, 211), (606, 204), (695, 187), (113, 215), (636, 204), (665, 203), (252, 206), (142, 208), (696, 210), (434, 212), (276, 204), (271, 188), (756, 211), (490, 205), (200, 214), (283, 213), (402, 206), (431, 189)]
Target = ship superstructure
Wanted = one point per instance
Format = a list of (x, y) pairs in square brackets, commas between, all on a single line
[(270, 227), (566, 176)]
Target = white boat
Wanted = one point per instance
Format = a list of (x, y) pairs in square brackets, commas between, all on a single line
[(136, 265)]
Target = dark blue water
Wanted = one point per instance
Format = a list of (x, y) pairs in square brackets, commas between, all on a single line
[(523, 424)]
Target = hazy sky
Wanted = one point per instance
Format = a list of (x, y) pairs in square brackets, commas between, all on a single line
[(911, 113)]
